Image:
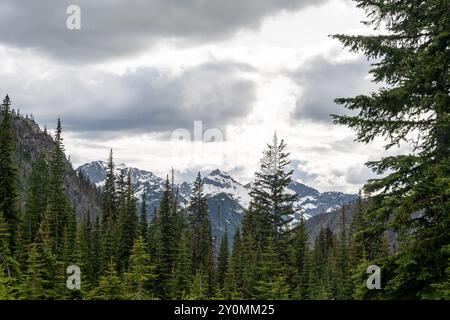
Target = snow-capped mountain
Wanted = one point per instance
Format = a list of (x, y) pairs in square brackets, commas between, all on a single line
[(141, 179), (227, 198)]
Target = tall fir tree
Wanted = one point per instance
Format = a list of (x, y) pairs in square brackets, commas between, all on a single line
[(182, 275), (233, 283), (300, 257), (96, 254), (222, 260), (109, 191), (9, 267), (110, 286), (344, 284), (32, 287), (38, 194), (82, 257), (8, 172), (141, 273), (271, 275), (412, 197), (113, 206), (167, 242), (61, 214), (201, 225), (271, 204), (143, 223)]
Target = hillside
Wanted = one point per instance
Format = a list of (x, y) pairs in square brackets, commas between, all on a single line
[(30, 141)]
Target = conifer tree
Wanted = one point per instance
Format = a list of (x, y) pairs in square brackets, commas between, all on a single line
[(96, 251), (8, 174), (141, 273), (33, 284), (167, 242), (143, 224), (270, 272), (153, 236), (40, 279), (343, 274), (222, 261), (5, 287), (411, 108), (83, 254), (301, 251), (200, 224), (199, 289), (9, 267), (233, 283), (113, 216), (271, 203), (61, 215), (182, 275), (132, 218), (110, 286), (109, 191), (321, 274), (126, 226), (37, 200)]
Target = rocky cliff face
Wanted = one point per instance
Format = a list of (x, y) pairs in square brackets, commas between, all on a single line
[(30, 141)]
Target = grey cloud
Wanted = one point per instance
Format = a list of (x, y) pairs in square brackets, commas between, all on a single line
[(359, 174), (145, 100), (323, 81), (112, 28), (299, 174)]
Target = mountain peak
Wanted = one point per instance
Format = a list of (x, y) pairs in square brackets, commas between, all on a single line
[(215, 172)]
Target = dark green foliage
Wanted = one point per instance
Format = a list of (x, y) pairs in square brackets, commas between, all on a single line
[(167, 242), (126, 227), (109, 191), (83, 253), (233, 283), (201, 226), (182, 275), (37, 200), (300, 278), (141, 274), (412, 108), (271, 203), (143, 224), (61, 215), (270, 274), (96, 251), (222, 261), (199, 288), (110, 286), (8, 265), (8, 174)]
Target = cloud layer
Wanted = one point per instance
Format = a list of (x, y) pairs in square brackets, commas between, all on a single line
[(112, 28), (145, 100)]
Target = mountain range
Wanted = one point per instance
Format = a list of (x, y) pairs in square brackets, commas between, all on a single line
[(227, 198)]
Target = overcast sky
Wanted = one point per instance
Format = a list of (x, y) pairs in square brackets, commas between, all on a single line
[(139, 70)]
